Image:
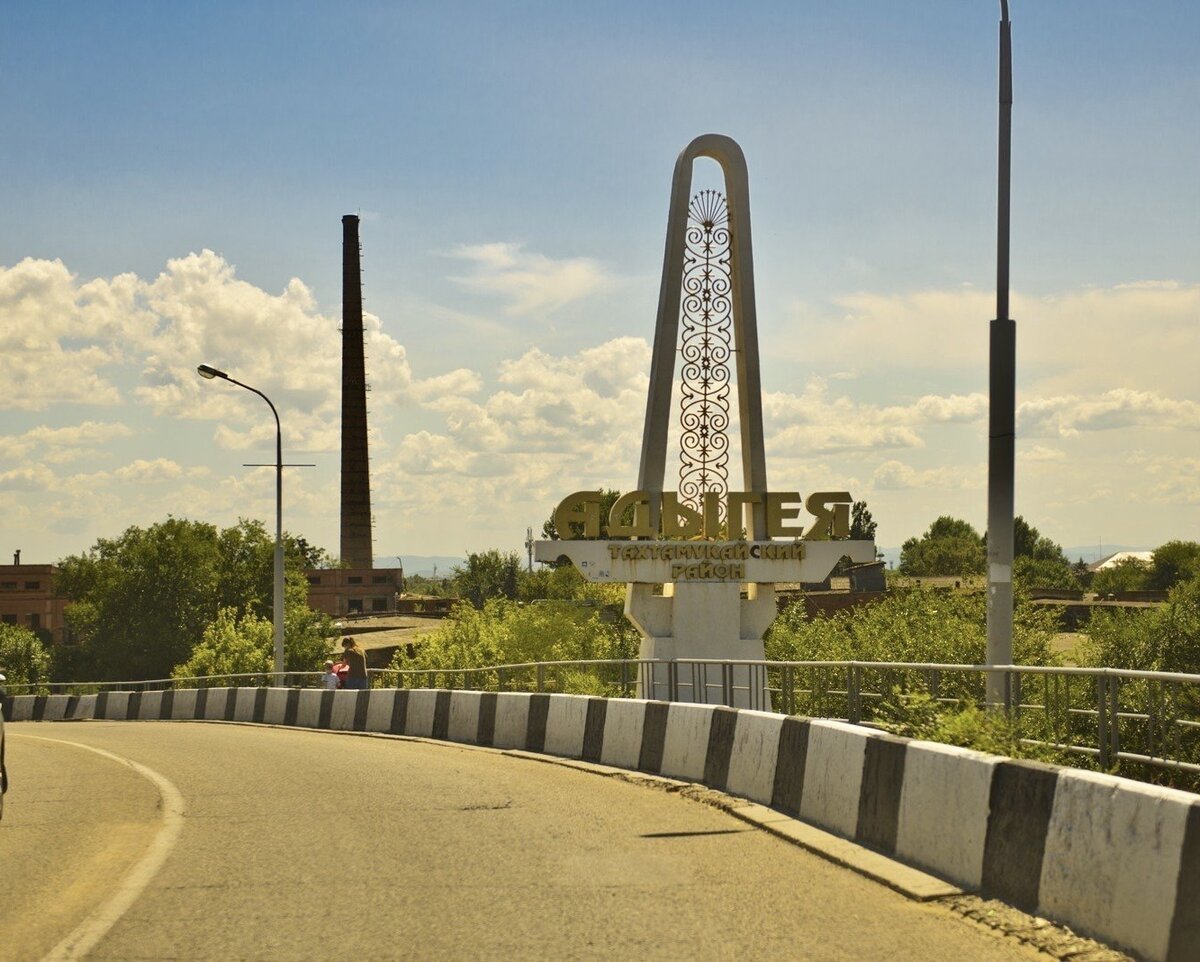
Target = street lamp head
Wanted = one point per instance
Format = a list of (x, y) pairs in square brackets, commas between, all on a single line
[(210, 372)]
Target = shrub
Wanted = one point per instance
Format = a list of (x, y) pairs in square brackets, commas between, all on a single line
[(23, 658), (916, 625)]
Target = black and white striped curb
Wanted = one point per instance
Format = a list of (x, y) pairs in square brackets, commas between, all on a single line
[(1113, 858)]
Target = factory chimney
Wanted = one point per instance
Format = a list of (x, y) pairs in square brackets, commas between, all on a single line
[(356, 475)]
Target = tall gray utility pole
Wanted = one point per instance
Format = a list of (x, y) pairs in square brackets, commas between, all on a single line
[(1001, 403)]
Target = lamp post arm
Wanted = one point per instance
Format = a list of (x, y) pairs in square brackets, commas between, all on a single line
[(278, 429)]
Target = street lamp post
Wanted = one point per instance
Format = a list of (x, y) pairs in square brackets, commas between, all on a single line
[(277, 614), (1002, 366)]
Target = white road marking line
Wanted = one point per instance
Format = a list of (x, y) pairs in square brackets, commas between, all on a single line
[(92, 929)]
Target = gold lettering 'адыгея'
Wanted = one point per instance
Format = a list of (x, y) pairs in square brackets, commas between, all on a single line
[(578, 515)]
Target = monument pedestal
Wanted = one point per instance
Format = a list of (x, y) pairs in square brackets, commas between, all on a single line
[(694, 621)]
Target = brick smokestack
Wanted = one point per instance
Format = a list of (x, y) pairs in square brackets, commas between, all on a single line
[(356, 473)]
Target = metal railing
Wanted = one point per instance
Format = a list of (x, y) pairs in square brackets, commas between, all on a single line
[(257, 679), (1109, 715)]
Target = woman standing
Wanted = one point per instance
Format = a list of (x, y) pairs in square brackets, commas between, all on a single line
[(356, 658)]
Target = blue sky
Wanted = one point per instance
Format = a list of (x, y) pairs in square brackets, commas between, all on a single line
[(175, 175)]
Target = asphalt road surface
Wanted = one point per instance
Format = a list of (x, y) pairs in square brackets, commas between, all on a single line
[(293, 844)]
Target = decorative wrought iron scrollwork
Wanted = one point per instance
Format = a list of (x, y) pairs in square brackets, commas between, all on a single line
[(705, 348)]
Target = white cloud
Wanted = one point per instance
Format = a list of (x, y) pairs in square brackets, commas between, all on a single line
[(1169, 480), (1068, 416), (29, 477), (62, 443), (453, 384), (66, 341), (895, 475), (817, 422), (59, 340), (462, 457), (1039, 453), (530, 283), (160, 469)]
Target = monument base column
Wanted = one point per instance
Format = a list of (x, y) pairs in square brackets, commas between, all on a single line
[(694, 621)]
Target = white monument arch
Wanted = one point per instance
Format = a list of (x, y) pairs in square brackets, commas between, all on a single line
[(674, 539)]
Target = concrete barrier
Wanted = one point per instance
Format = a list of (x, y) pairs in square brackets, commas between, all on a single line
[(380, 710), (622, 737), (685, 744), (243, 703), (944, 808), (422, 705), (275, 709), (463, 724), (512, 720), (755, 752), (341, 715), (1114, 858), (183, 705), (833, 776), (566, 720)]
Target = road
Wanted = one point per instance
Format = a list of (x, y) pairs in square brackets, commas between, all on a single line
[(298, 844)]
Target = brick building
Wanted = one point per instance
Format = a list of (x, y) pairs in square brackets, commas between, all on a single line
[(351, 591), (27, 598)]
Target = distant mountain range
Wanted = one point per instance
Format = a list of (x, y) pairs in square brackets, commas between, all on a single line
[(419, 564), (1090, 553), (415, 564)]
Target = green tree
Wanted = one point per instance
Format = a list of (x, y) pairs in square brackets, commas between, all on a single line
[(433, 587), (1039, 562), (915, 625), (488, 574), (1158, 639), (561, 583), (1028, 542), (148, 596), (23, 658), (862, 525), (1029, 573), (1128, 574), (230, 646), (506, 632), (608, 497), (1174, 562), (308, 635), (140, 603), (950, 547)]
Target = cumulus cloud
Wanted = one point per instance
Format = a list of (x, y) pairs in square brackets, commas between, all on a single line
[(63, 340), (61, 443), (30, 477), (1068, 416), (1039, 453), (1169, 480), (896, 475), (530, 283), (454, 384), (818, 422), (491, 445), (59, 340), (159, 469)]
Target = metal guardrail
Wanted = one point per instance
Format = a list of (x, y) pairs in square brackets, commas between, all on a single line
[(258, 679), (1108, 714)]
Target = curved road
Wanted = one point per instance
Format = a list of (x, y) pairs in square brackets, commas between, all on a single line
[(305, 845)]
